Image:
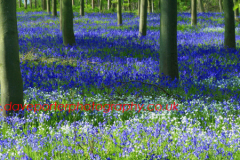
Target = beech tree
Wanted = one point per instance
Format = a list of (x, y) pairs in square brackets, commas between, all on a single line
[(143, 19), (67, 22), (20, 1), (168, 39), (194, 12), (82, 8), (220, 5), (48, 6), (201, 6), (10, 73), (119, 13), (54, 8), (229, 34), (25, 4)]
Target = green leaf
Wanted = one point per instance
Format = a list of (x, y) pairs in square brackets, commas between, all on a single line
[(236, 6)]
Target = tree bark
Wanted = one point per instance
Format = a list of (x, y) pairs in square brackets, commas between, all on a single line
[(82, 8), (129, 6), (25, 4), (92, 4), (194, 13), (60, 18), (11, 78), (201, 6), (229, 34), (109, 4), (73, 3), (149, 6), (168, 39), (119, 13), (152, 6), (48, 7), (143, 19), (100, 6), (54, 8), (220, 5), (44, 5), (67, 23), (20, 2), (30, 3)]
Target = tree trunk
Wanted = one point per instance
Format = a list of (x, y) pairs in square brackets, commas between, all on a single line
[(30, 3), (149, 6), (109, 4), (143, 19), (119, 13), (67, 23), (11, 78), (73, 3), (152, 6), (82, 8), (100, 6), (25, 4), (35, 3), (20, 1), (168, 39), (220, 5), (44, 5), (159, 4), (48, 7), (139, 6), (129, 6), (60, 18), (54, 8), (92, 4), (236, 12), (229, 34), (194, 13), (200, 3)]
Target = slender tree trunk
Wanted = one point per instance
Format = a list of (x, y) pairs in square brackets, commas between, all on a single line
[(159, 4), (129, 5), (67, 23), (152, 6), (149, 6), (236, 12), (109, 4), (44, 5), (100, 7), (35, 3), (168, 39), (25, 4), (20, 1), (30, 3), (143, 19), (10, 73), (60, 19), (201, 6), (73, 3), (48, 7), (229, 34), (139, 6), (54, 8), (194, 13), (92, 4), (119, 13), (220, 5), (82, 8)]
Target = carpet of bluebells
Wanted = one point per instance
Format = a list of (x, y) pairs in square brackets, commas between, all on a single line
[(108, 65)]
